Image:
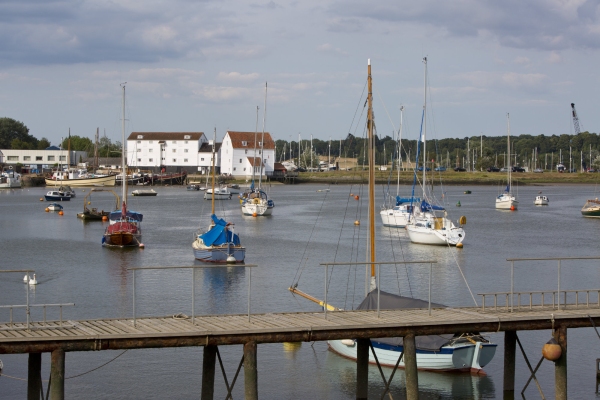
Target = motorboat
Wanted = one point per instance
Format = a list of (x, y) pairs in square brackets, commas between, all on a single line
[(591, 208), (54, 207), (541, 200), (221, 193), (55, 195), (10, 180), (144, 192)]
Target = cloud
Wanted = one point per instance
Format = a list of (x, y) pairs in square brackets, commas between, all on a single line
[(554, 58), (237, 77), (327, 48), (270, 5)]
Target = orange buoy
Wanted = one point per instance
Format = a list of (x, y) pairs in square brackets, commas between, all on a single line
[(459, 245), (41, 199), (552, 350), (254, 214), (47, 209), (142, 245), (357, 222), (60, 213), (512, 208), (356, 197), (104, 218)]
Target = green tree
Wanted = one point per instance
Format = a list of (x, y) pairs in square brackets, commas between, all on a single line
[(43, 144), (78, 143), (11, 130)]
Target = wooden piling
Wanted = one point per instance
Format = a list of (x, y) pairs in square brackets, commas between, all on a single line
[(250, 371), (57, 375), (510, 348), (362, 369), (410, 365), (208, 372), (560, 365), (34, 376)]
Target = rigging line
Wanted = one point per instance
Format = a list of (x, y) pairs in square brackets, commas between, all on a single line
[(462, 274), (358, 106), (92, 370), (386, 111)]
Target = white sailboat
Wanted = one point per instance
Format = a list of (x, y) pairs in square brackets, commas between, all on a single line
[(256, 202), (397, 211), (458, 352), (506, 200), (430, 223)]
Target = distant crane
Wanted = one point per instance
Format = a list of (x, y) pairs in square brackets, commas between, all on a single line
[(575, 120)]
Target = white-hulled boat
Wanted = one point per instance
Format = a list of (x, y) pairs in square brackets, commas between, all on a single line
[(80, 178), (430, 223), (10, 180), (506, 200), (541, 200), (399, 215), (144, 192), (221, 193), (54, 207)]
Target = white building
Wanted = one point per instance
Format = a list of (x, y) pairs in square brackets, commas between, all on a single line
[(33, 160), (167, 151), (238, 156)]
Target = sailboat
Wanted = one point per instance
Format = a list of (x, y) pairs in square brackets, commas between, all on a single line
[(219, 244), (255, 201), (458, 352), (430, 223), (398, 213), (125, 227), (507, 201)]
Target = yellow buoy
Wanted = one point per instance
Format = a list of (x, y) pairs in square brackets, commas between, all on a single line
[(459, 245), (462, 220), (41, 199), (47, 209), (60, 213), (89, 202), (357, 222), (552, 350)]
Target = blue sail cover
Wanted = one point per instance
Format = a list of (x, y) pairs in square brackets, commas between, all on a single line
[(116, 215), (507, 190), (401, 200), (218, 235), (425, 206)]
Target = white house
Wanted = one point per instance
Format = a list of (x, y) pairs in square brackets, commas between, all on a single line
[(238, 156), (37, 160), (168, 151)]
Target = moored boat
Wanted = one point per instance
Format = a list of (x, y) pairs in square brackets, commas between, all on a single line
[(92, 213), (10, 180), (54, 207), (55, 195), (80, 178), (591, 208), (541, 200), (144, 192), (506, 200)]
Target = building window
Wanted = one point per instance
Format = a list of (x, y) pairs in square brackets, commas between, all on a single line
[(140, 137), (202, 159), (150, 150), (174, 142), (13, 158), (139, 160), (244, 143), (185, 141), (258, 151), (139, 142), (150, 160), (259, 144), (185, 150), (234, 168), (26, 158), (50, 158), (174, 160), (174, 150), (149, 141), (62, 158), (139, 150), (185, 160), (246, 151), (187, 137), (240, 160), (244, 169), (39, 158)]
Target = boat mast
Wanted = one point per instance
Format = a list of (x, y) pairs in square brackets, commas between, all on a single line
[(96, 164), (262, 140), (213, 172), (508, 147), (425, 128), (123, 160), (254, 157), (399, 150), (370, 123)]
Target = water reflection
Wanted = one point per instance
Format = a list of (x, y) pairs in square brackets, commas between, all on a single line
[(223, 288)]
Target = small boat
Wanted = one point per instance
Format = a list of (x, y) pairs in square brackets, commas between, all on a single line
[(591, 209), (92, 213), (144, 192), (54, 207), (467, 192), (193, 186), (221, 193), (506, 200), (233, 188), (9, 179), (541, 200), (66, 189), (55, 195)]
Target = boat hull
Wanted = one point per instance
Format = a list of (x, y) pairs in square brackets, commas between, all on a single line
[(109, 180), (218, 195), (506, 202), (459, 358), (258, 209), (57, 198), (424, 235), (144, 192), (394, 218), (218, 254), (121, 239)]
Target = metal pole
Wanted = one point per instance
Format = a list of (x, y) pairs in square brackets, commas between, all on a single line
[(512, 283), (249, 289), (558, 294), (134, 322), (27, 300), (430, 268), (378, 288), (194, 294), (326, 273)]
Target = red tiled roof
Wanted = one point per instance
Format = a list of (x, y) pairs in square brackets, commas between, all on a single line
[(255, 161), (166, 135), (238, 137)]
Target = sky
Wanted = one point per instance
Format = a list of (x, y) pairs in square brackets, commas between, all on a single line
[(201, 65)]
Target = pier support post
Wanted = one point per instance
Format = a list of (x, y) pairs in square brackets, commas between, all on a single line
[(510, 349), (410, 365), (34, 376), (57, 375), (560, 365), (208, 372), (362, 369), (250, 371)]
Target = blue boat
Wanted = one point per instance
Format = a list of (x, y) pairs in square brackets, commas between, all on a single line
[(55, 195)]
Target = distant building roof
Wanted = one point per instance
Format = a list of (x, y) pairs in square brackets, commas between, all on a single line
[(238, 137), (207, 147), (53, 148), (279, 167), (165, 135)]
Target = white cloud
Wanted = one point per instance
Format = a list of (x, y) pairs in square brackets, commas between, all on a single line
[(328, 48), (237, 77)]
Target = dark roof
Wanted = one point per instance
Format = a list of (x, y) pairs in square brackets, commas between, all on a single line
[(238, 137), (165, 135), (207, 148), (53, 148), (279, 167)]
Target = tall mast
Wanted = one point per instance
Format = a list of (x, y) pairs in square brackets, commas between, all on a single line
[(399, 150), (213, 172), (254, 157), (508, 150), (96, 150), (69, 150), (370, 124), (425, 128), (123, 161), (262, 140)]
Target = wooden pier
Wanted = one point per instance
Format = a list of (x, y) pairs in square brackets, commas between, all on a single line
[(60, 337)]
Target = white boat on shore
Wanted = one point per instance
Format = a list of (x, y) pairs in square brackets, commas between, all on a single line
[(80, 177), (10, 180)]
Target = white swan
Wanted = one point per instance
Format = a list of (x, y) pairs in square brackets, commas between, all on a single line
[(26, 278), (33, 281)]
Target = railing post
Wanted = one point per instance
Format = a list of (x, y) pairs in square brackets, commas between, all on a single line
[(249, 290), (325, 305), (194, 296), (558, 294), (512, 283), (378, 289), (430, 269), (134, 322)]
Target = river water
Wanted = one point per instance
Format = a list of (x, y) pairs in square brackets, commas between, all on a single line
[(309, 226)]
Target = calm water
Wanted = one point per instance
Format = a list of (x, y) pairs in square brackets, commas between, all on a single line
[(304, 231)]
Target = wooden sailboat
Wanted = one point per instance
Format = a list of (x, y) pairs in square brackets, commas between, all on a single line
[(125, 227), (256, 202), (430, 223), (219, 244), (507, 201), (458, 352)]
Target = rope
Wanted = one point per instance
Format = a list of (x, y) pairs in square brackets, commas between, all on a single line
[(594, 325), (180, 316), (13, 377), (92, 370)]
